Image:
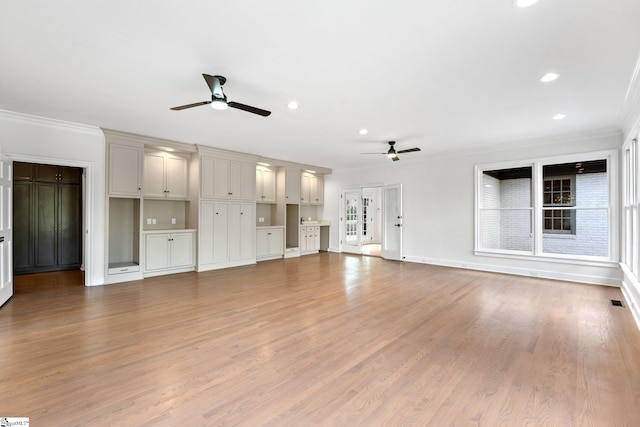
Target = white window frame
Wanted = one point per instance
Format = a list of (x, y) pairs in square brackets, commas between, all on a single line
[(630, 257), (611, 157)]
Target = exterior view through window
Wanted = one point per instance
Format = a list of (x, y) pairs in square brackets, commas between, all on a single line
[(562, 211)]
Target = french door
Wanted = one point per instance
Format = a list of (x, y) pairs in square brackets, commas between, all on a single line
[(353, 215), (351, 240)]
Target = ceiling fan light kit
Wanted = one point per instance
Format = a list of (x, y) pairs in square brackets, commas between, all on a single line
[(393, 154), (219, 99)]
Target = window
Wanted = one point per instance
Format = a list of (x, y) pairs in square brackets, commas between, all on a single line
[(558, 192), (631, 208), (547, 208), (351, 231), (366, 207)]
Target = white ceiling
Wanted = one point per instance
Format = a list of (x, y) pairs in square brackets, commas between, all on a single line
[(442, 75)]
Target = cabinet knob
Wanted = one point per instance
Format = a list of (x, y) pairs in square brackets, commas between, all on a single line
[(230, 194)]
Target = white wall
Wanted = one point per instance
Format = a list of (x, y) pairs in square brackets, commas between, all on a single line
[(38, 140), (438, 201)]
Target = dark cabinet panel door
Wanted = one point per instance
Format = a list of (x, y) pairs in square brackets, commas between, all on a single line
[(46, 173), (69, 234), (47, 216), (22, 226), (69, 175), (46, 224), (22, 171)]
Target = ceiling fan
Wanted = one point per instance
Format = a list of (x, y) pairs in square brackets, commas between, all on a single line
[(219, 99), (393, 154)]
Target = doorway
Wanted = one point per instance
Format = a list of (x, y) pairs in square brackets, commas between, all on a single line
[(47, 218), (371, 221)]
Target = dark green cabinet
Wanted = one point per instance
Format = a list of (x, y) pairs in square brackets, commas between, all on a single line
[(47, 218)]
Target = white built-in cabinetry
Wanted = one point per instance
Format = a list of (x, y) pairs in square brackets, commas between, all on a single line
[(227, 209), (123, 207), (269, 243), (156, 198), (311, 189), (265, 185), (227, 179), (292, 186), (226, 236), (165, 175), (169, 252), (309, 239), (125, 169)]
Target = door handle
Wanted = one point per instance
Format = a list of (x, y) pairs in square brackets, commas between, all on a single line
[(398, 225)]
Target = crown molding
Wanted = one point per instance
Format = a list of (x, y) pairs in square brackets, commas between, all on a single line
[(49, 123), (629, 116), (589, 135), (150, 141)]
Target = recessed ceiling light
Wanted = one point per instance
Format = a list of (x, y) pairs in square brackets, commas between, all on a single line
[(559, 116), (292, 105), (521, 4), (549, 77), (363, 131)]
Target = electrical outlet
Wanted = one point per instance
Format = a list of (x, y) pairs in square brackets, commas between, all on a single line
[(260, 219), (173, 220), (153, 221), (148, 221)]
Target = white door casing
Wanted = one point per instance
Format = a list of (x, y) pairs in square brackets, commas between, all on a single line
[(6, 230), (392, 222)]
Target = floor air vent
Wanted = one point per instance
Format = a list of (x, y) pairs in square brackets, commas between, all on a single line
[(616, 303)]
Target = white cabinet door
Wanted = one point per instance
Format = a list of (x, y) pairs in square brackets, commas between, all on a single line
[(303, 239), (265, 186), (221, 189), (242, 181), (276, 242), (235, 231), (165, 176), (154, 185), (207, 178), (268, 186), (220, 232), (270, 242), (125, 167), (157, 255), (206, 233), (262, 243), (241, 231), (316, 238), (247, 230), (317, 198), (305, 189), (177, 177), (181, 249), (292, 186)]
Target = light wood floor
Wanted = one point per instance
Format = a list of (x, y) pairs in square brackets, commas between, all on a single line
[(328, 339)]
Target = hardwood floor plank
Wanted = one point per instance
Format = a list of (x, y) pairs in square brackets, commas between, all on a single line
[(328, 339)]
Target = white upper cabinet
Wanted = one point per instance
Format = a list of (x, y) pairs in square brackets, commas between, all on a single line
[(311, 189), (226, 179), (165, 176), (125, 170), (292, 186), (265, 185)]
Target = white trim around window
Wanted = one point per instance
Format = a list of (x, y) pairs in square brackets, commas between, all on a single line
[(534, 250)]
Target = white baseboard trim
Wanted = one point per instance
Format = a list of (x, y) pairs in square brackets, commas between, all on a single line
[(596, 280), (631, 292), (336, 250)]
